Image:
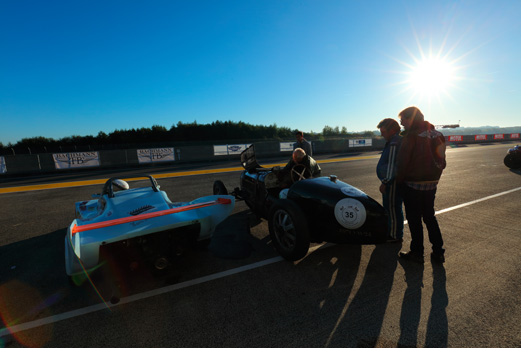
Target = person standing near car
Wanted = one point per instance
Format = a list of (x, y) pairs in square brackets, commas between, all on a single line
[(302, 143), (386, 171), (421, 160)]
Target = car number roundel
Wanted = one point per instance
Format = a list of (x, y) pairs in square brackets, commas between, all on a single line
[(350, 213)]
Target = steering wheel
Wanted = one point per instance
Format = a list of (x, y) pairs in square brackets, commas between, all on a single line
[(300, 172)]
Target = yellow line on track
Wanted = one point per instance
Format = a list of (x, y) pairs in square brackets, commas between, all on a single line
[(157, 176)]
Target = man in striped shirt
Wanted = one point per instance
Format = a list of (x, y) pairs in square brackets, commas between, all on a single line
[(386, 172)]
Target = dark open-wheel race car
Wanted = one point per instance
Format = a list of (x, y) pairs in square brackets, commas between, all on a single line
[(513, 158), (308, 210)]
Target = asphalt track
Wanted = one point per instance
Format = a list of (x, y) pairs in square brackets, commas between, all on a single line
[(239, 293)]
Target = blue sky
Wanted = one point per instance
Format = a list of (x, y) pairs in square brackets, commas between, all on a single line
[(80, 67)]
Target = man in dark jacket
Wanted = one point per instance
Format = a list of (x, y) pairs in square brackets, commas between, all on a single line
[(421, 160), (386, 172)]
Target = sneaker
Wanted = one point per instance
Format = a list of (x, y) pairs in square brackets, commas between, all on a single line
[(437, 258), (394, 240), (411, 256)]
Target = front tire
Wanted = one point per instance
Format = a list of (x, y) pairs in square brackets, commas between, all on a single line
[(288, 230), (219, 188), (512, 161)]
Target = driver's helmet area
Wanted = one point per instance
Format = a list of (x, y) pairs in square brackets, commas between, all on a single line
[(119, 185)]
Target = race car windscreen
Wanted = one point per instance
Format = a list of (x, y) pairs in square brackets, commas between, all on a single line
[(248, 159)]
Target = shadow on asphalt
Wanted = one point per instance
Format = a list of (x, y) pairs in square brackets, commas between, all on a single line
[(35, 269), (371, 297)]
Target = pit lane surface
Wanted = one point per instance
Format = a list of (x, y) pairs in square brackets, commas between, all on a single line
[(239, 293)]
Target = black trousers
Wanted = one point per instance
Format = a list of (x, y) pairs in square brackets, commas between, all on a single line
[(420, 205)]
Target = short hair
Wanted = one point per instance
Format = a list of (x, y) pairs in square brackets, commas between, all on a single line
[(299, 154), (389, 124), (299, 133), (412, 112)]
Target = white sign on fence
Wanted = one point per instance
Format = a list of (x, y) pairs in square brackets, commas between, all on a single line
[(360, 142), (76, 160), (162, 154), (286, 146), (221, 150), (3, 167)]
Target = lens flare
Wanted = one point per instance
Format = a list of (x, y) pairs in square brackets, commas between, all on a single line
[(21, 303)]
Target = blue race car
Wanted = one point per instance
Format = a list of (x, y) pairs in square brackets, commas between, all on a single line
[(139, 225)]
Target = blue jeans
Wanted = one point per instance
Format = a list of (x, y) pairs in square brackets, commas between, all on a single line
[(418, 205)]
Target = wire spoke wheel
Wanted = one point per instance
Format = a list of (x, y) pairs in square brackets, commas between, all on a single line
[(284, 230), (288, 229)]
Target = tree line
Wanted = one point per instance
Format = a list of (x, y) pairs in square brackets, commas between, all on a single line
[(159, 136)]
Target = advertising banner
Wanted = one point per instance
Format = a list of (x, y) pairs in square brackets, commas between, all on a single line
[(514, 136), (499, 136), (480, 137), (286, 146), (221, 150), (162, 154), (455, 137), (3, 167), (76, 160), (360, 142)]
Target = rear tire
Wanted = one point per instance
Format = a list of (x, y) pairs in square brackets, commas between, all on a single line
[(288, 230), (219, 188)]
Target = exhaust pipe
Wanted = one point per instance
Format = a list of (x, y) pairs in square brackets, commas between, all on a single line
[(161, 263)]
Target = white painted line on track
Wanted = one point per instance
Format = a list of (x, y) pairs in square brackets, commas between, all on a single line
[(477, 201), (170, 288), (137, 297)]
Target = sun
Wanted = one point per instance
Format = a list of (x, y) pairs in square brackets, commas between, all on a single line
[(433, 72), (431, 77)]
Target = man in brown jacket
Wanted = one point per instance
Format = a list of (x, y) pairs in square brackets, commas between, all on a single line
[(421, 160)]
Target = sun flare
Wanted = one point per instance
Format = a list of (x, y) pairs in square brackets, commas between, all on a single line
[(433, 72), (431, 77)]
